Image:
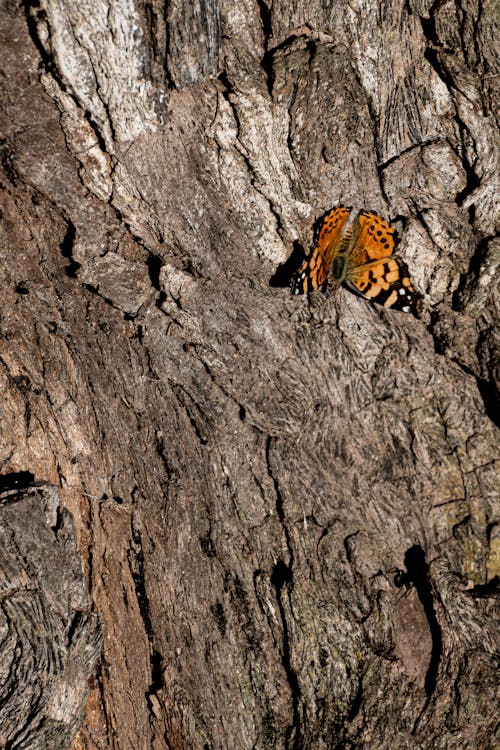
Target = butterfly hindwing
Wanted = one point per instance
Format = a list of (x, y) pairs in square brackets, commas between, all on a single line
[(313, 273), (387, 282)]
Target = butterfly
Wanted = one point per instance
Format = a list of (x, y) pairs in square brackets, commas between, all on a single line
[(358, 251)]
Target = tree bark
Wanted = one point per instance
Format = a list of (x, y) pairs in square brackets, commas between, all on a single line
[(229, 517)]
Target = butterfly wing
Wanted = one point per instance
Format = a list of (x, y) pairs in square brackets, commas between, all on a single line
[(375, 238), (313, 273), (374, 272), (386, 281)]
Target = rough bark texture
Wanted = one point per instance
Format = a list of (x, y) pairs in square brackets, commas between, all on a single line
[(223, 476)]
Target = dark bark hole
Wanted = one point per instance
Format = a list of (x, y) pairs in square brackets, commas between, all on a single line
[(16, 480), (207, 546), (281, 575), (491, 399), (417, 574), (487, 590), (154, 263), (156, 673), (67, 251)]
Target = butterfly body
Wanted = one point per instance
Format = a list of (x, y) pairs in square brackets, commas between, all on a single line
[(357, 249), (339, 267)]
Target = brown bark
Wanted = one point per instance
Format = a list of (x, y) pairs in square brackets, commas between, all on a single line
[(219, 477)]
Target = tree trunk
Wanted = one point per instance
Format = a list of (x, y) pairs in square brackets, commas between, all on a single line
[(231, 517)]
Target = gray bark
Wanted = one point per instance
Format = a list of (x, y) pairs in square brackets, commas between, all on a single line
[(281, 512)]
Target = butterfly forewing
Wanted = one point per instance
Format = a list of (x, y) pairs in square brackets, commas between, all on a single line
[(313, 273), (375, 238)]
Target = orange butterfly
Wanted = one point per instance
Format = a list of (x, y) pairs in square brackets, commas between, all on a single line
[(358, 253)]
